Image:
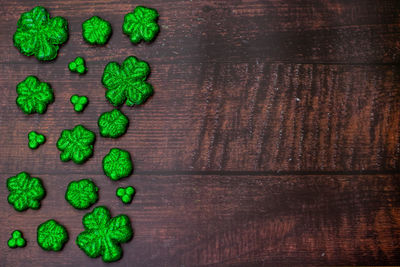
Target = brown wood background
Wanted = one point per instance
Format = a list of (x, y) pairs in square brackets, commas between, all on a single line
[(273, 136)]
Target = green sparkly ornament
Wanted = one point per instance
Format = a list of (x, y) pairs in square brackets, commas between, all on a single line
[(16, 240), (39, 35), (35, 139), (51, 235), (141, 24), (117, 164), (81, 194), (34, 95), (126, 194), (96, 31), (78, 65), (76, 144), (113, 124), (104, 234), (25, 191), (127, 82), (79, 102)]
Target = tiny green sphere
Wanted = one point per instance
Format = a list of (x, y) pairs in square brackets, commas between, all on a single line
[(35, 139), (51, 235), (79, 102), (96, 31), (117, 164), (16, 240), (126, 194), (78, 65)]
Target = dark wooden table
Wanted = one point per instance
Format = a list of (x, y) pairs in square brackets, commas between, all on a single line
[(273, 136)]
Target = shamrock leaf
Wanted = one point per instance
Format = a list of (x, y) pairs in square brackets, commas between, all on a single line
[(141, 24), (78, 65), (81, 194), (16, 240), (96, 30), (33, 95), (51, 235), (35, 139), (79, 102), (126, 194), (113, 123), (127, 82), (39, 35), (103, 234), (25, 191), (76, 144), (117, 164)]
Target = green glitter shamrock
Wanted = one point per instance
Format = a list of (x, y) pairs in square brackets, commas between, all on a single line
[(16, 240), (25, 191), (126, 194), (35, 139), (39, 35), (78, 65), (51, 235), (113, 124), (34, 95), (141, 24), (76, 144), (127, 82), (79, 102), (103, 234), (81, 194), (117, 164), (96, 30)]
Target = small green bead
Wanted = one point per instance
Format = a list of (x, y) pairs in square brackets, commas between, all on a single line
[(113, 124), (82, 194), (79, 102), (16, 240), (34, 95), (35, 139), (117, 164), (126, 194), (78, 66), (96, 31), (51, 235), (141, 24)]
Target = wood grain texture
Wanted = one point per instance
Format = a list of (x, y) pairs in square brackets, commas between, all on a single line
[(273, 136)]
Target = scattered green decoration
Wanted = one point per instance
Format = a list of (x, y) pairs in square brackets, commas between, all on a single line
[(141, 24), (51, 235), (39, 35), (81, 194), (117, 164), (126, 194), (113, 124), (79, 102), (35, 139), (25, 191), (34, 95), (16, 240), (78, 65), (103, 234), (96, 31), (127, 82), (76, 144)]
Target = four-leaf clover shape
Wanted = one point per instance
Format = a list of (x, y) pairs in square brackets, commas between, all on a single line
[(141, 24), (39, 35), (113, 123), (117, 164), (81, 194), (103, 234), (34, 95), (51, 235)]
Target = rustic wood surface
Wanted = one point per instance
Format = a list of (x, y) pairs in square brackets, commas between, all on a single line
[(273, 136)]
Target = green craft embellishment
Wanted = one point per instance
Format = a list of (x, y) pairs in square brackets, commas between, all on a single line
[(78, 65), (25, 191), (117, 164), (34, 95), (127, 82), (16, 240), (103, 234), (51, 235), (35, 139), (141, 24), (39, 35), (126, 194), (79, 102), (76, 144), (113, 123), (81, 194), (96, 30)]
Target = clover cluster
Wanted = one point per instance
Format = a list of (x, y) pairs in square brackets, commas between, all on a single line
[(41, 36)]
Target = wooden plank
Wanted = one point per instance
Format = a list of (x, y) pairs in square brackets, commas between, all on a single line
[(228, 220), (230, 117)]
